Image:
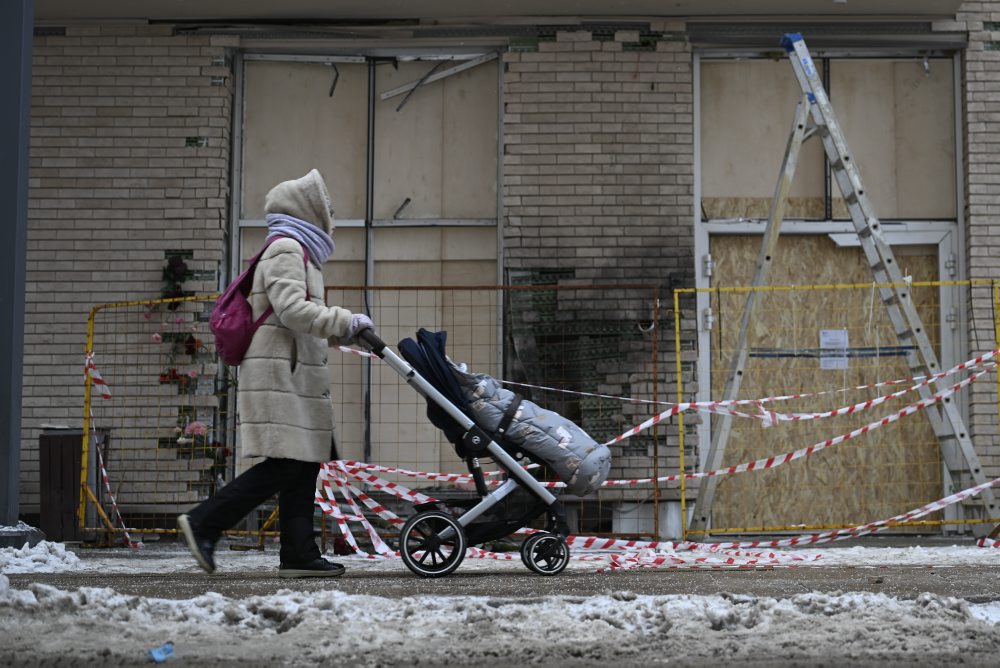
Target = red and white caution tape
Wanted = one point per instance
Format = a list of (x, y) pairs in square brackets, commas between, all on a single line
[(777, 460), (111, 496), (355, 351), (597, 543), (356, 469), (711, 405), (647, 558), (772, 417), (333, 510), (384, 485), (347, 493), (96, 381), (444, 477)]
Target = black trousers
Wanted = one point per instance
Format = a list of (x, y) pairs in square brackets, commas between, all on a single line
[(295, 484)]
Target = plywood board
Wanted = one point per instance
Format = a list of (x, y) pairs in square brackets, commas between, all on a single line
[(899, 121), (440, 149), (292, 124), (876, 476), (747, 108), (898, 117)]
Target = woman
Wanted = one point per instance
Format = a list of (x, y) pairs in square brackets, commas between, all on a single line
[(286, 415)]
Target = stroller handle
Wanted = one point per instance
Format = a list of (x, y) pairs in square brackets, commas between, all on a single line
[(372, 340)]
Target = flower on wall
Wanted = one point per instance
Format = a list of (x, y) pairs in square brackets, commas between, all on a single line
[(196, 428)]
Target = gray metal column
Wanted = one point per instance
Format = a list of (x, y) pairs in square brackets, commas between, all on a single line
[(16, 25)]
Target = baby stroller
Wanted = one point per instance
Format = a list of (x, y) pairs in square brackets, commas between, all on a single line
[(433, 542)]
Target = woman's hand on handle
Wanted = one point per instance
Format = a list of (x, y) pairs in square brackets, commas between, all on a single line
[(370, 339)]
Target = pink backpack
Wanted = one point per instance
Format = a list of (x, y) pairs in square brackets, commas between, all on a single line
[(232, 321)]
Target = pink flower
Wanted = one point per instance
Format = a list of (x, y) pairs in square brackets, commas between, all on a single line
[(147, 315), (196, 428), (179, 319), (156, 338), (193, 373)]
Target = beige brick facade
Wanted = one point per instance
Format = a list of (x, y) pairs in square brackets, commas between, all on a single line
[(129, 159), (981, 146), (599, 159)]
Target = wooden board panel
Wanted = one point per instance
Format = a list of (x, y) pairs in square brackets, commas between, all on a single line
[(440, 150), (292, 124), (899, 121), (747, 108), (897, 116), (879, 475)]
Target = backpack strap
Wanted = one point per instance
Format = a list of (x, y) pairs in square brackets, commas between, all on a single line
[(253, 265)]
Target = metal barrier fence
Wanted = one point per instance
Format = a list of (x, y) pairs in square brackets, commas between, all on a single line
[(830, 344), (167, 433)]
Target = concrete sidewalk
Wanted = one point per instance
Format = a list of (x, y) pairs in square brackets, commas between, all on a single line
[(975, 584)]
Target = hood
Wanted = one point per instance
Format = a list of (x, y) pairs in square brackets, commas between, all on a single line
[(305, 198)]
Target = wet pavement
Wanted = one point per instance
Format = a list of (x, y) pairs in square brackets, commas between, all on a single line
[(975, 584)]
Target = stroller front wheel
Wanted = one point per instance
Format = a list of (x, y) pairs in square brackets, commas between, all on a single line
[(545, 553), (432, 544)]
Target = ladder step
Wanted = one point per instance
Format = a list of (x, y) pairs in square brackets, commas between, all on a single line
[(905, 334)]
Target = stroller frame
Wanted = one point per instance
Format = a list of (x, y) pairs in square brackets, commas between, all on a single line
[(433, 542)]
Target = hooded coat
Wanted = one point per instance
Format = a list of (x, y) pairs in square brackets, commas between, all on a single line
[(284, 384)]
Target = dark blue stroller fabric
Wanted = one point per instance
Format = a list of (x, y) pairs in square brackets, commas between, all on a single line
[(427, 356)]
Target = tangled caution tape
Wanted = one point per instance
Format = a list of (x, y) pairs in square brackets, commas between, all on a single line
[(619, 554), (623, 554)]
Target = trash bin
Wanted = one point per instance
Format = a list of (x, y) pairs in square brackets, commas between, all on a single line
[(59, 457)]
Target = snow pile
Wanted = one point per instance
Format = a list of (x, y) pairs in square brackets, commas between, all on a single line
[(41, 624), (311, 628), (45, 557), (20, 527)]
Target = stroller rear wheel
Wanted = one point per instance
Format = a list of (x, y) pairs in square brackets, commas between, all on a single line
[(545, 553), (432, 544)]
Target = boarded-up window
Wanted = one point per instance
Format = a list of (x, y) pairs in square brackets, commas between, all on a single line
[(434, 219), (439, 151), (292, 124), (897, 116)]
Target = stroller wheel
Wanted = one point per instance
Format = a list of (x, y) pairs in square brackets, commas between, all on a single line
[(545, 553), (432, 544)]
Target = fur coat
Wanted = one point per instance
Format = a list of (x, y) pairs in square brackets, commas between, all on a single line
[(284, 384)]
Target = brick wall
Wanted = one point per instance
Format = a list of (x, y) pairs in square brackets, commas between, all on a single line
[(598, 188), (129, 159), (981, 139), (599, 159)]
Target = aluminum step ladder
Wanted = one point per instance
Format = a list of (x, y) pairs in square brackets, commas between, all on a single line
[(962, 466)]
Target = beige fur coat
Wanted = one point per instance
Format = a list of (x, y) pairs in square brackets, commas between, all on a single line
[(284, 384)]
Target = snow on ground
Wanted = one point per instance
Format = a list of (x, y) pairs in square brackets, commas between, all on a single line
[(42, 625), (47, 557)]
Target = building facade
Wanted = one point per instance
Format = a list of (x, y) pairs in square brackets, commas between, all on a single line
[(569, 150)]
